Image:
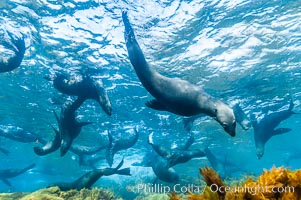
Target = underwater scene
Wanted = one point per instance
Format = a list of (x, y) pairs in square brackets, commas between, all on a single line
[(150, 99)]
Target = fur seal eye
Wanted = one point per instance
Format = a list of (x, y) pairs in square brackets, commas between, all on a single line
[(215, 110)]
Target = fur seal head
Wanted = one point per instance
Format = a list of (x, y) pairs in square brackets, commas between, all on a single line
[(225, 116)]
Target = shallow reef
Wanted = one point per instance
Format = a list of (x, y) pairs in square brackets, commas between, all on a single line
[(54, 193), (274, 184)]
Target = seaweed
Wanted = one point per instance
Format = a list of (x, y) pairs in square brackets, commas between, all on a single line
[(274, 184)]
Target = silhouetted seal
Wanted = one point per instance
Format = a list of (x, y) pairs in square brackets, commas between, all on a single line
[(10, 173), (19, 134), (175, 156), (83, 86), (88, 179), (118, 144), (173, 94), (69, 128), (265, 128), (14, 61)]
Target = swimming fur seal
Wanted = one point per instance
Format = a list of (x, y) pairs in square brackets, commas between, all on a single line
[(118, 144), (161, 160), (14, 61), (19, 134), (88, 179), (175, 156), (83, 86), (69, 128), (265, 128), (173, 94), (10, 173)]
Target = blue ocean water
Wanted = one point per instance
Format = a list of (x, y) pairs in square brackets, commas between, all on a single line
[(241, 51)]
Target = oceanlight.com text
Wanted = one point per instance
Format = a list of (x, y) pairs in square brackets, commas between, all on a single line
[(251, 190), (178, 188)]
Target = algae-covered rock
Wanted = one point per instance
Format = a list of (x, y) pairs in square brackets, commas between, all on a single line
[(153, 197), (54, 193)]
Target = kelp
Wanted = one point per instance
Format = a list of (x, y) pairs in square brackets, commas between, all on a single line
[(274, 184)]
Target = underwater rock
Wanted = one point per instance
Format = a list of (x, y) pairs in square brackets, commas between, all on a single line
[(54, 193)]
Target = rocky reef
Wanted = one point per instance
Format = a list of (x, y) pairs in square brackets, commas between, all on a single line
[(54, 193), (274, 184)]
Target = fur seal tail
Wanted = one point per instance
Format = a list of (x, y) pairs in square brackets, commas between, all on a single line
[(124, 171)]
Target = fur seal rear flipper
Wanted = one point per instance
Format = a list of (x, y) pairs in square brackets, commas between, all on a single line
[(88, 179), (10, 173), (265, 128), (173, 94), (15, 61)]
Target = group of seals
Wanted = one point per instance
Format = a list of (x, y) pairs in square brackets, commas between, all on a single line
[(19, 51), (173, 94)]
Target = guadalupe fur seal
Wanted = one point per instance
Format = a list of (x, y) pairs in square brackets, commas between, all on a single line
[(175, 156), (265, 128), (160, 167), (14, 61), (88, 179), (83, 86), (161, 160), (118, 144), (69, 128), (19, 134), (10, 173), (173, 94)]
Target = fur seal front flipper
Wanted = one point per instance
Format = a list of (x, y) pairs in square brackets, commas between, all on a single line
[(173, 94)]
